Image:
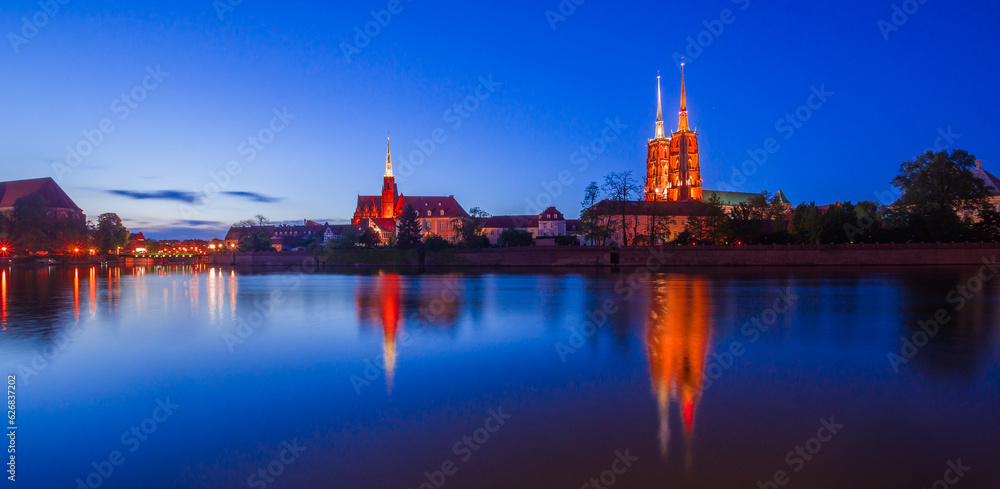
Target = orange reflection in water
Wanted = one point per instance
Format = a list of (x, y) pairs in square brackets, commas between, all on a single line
[(389, 304), (93, 291), (3, 298), (76, 293), (677, 339)]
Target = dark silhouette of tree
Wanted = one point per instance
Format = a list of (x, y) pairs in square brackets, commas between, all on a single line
[(709, 225), (110, 234), (254, 235), (513, 238), (408, 229), (369, 238), (620, 187), (469, 230), (942, 200)]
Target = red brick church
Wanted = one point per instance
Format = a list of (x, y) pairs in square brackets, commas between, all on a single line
[(380, 212)]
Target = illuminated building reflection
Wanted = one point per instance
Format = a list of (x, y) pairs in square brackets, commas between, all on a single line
[(3, 298), (677, 339), (428, 303), (380, 302)]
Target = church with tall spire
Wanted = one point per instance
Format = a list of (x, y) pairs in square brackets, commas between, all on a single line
[(381, 212), (673, 169), (674, 190)]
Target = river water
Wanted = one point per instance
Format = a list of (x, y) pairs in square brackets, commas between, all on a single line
[(220, 378)]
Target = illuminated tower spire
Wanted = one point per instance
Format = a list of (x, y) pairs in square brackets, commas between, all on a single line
[(683, 124), (388, 158), (659, 110)]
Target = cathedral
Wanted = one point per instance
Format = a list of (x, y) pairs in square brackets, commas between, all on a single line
[(674, 188), (673, 173)]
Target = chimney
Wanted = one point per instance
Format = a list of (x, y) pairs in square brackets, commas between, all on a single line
[(979, 164)]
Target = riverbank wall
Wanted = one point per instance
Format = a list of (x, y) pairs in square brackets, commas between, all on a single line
[(897, 254)]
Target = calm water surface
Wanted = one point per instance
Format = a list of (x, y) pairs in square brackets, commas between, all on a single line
[(713, 378)]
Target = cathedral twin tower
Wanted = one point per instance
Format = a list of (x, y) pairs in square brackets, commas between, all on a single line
[(673, 172)]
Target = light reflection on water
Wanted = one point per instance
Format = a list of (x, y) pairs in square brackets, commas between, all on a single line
[(386, 366)]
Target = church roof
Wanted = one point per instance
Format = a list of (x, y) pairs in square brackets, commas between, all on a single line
[(46, 187)]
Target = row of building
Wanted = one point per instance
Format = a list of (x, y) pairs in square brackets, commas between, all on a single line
[(673, 191)]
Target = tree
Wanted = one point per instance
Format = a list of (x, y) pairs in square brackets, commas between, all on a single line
[(942, 199), (433, 242), (347, 240), (806, 225), (620, 187), (590, 216), (469, 229), (408, 232), (253, 235), (709, 226), (838, 218), (110, 234), (369, 238), (513, 238)]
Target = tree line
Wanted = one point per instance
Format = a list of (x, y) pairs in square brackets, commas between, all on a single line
[(941, 199), (28, 229)]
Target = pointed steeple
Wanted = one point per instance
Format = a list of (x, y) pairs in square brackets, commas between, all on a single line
[(659, 110), (388, 158), (682, 125)]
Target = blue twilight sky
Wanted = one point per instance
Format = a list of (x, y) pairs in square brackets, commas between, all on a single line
[(222, 77)]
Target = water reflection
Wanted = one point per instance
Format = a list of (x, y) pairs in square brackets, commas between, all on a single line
[(677, 338), (384, 301), (3, 299)]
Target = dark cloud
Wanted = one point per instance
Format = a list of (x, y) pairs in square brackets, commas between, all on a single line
[(254, 196), (176, 195), (194, 223)]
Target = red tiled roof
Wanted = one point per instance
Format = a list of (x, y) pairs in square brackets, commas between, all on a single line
[(422, 204), (510, 222), (46, 187), (991, 181), (551, 211)]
